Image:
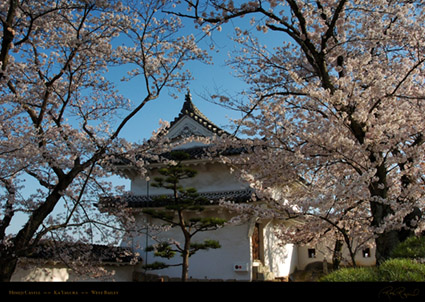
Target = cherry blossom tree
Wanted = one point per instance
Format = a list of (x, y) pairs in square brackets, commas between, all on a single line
[(336, 109), (61, 114)]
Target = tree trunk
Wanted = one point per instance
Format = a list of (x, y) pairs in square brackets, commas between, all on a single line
[(337, 254), (7, 268), (185, 265), (186, 248), (385, 243), (410, 222), (24, 240), (387, 240)]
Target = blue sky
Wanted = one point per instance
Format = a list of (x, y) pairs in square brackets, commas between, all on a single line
[(208, 79)]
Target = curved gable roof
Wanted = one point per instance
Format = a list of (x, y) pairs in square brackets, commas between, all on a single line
[(189, 110)]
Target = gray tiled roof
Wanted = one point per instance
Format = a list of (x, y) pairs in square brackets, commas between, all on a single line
[(56, 250), (154, 201), (189, 109)]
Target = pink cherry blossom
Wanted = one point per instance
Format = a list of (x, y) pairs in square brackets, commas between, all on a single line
[(334, 114), (61, 114)]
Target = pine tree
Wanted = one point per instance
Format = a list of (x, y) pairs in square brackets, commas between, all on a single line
[(181, 206)]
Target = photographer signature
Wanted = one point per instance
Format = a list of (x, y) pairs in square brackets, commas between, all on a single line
[(400, 292)]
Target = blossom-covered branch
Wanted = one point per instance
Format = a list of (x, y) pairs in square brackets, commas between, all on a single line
[(337, 103), (61, 114)]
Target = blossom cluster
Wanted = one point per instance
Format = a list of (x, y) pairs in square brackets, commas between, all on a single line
[(62, 114), (333, 113)]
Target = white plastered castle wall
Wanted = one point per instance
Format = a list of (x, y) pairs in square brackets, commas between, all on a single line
[(280, 258), (210, 264), (323, 252), (34, 271), (211, 177)]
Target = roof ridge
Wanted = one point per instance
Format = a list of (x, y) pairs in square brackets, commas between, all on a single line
[(189, 109)]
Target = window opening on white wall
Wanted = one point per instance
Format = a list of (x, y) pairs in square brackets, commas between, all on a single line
[(311, 253)]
